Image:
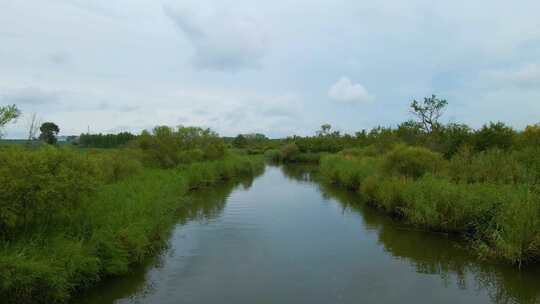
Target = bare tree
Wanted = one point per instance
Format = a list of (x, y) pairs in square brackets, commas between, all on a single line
[(429, 111), (33, 127)]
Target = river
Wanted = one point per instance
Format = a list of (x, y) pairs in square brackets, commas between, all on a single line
[(284, 237)]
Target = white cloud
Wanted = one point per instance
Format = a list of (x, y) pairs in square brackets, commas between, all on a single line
[(345, 90), (525, 76), (29, 96), (222, 40)]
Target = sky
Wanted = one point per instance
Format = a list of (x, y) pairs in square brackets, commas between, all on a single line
[(276, 67)]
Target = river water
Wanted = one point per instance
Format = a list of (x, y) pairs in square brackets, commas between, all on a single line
[(286, 238)]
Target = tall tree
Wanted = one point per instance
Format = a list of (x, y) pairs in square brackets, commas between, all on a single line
[(7, 114), (428, 112), (49, 130), (325, 130)]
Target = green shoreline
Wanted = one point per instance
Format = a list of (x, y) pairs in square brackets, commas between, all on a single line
[(500, 221), (118, 226)]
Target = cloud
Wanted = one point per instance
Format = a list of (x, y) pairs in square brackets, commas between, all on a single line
[(59, 58), (344, 90), (222, 40), (525, 76), (29, 96)]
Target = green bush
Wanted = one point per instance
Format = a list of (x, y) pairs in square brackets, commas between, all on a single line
[(494, 136), (273, 155), (289, 152), (114, 227), (411, 162), (492, 166), (348, 172), (39, 186), (168, 147), (489, 197)]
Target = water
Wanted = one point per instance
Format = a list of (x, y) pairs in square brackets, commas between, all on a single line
[(285, 238)]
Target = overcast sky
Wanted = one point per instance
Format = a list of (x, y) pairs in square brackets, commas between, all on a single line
[(277, 67)]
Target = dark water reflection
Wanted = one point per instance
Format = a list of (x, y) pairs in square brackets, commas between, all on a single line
[(286, 238)]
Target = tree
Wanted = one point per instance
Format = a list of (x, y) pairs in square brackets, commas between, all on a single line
[(494, 135), (8, 114), (33, 127), (240, 141), (428, 112), (49, 130), (325, 130)]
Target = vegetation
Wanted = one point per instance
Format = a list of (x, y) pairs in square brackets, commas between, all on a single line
[(70, 217), (167, 147), (105, 141), (498, 211), (49, 130), (8, 114), (481, 184)]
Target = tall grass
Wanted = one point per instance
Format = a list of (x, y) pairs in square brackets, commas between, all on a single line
[(117, 224), (491, 198)]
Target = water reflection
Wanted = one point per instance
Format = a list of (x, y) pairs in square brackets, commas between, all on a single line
[(434, 253), (294, 239), (202, 206)]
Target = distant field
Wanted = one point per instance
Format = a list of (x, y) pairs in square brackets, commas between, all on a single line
[(25, 141), (13, 141)]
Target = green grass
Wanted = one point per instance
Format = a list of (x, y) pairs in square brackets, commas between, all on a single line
[(116, 227), (498, 213)]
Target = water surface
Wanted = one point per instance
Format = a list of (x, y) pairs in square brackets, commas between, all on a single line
[(285, 238)]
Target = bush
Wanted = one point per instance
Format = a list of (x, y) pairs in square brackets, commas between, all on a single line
[(495, 135), (488, 197), (273, 155), (42, 185), (492, 166), (289, 152), (411, 162), (115, 165), (118, 225), (166, 147)]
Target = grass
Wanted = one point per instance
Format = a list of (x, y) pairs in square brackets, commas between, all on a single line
[(498, 213), (117, 226)]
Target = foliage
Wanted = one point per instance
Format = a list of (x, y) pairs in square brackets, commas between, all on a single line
[(428, 112), (49, 130), (240, 141), (114, 224), (491, 197), (38, 186), (289, 152), (105, 140), (168, 147), (412, 162), (494, 135), (44, 185), (7, 114)]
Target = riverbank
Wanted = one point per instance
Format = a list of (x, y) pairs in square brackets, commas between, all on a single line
[(491, 199), (111, 229), (281, 236)]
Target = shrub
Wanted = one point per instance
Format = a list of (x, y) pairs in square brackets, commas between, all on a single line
[(492, 166), (38, 186), (168, 147), (411, 161), (495, 135), (273, 155), (289, 152), (118, 225), (349, 173)]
